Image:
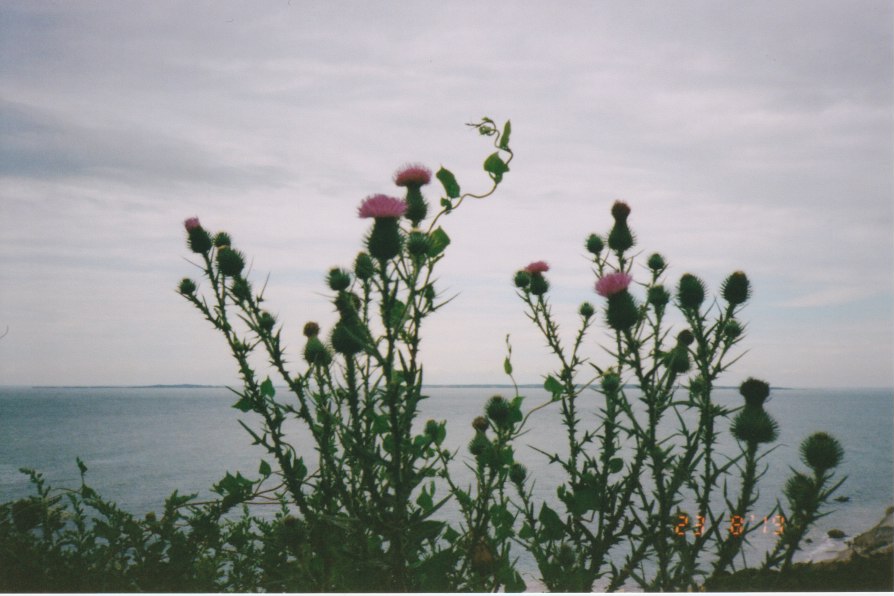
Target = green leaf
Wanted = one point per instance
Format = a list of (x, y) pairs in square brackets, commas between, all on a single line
[(495, 165), (507, 366), (438, 241), (264, 469), (424, 501), (244, 404), (267, 388), (448, 181), (504, 139), (553, 528), (553, 385)]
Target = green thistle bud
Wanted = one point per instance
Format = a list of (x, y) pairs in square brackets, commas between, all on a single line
[(347, 304), (338, 279), (417, 243), (385, 240), (222, 239), (417, 208), (316, 354), (656, 263), (799, 490), (620, 238), (522, 279), (611, 382), (658, 296), (346, 339), (199, 240), (685, 338), (821, 452), (478, 445), (497, 409), (311, 329), (736, 288), (594, 244), (677, 360), (754, 425), (364, 268), (518, 473), (241, 289), (266, 321), (432, 429), (621, 313), (539, 285), (187, 287), (480, 424), (755, 392), (586, 310), (690, 292), (229, 262), (732, 330)]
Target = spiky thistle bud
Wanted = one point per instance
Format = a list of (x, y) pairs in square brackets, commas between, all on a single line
[(522, 279), (685, 338), (800, 491), (754, 425), (586, 310), (198, 239), (417, 243), (346, 338), (594, 244), (229, 261), (611, 382), (311, 329), (732, 330), (497, 409), (821, 452), (364, 268), (241, 288), (480, 424), (620, 238), (266, 321), (518, 473), (187, 287), (736, 288), (222, 239), (690, 291), (338, 279), (656, 263), (621, 313), (478, 445), (658, 296), (539, 285), (754, 391), (315, 353)]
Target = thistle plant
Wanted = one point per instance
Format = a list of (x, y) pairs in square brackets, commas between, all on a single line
[(372, 483), (647, 495)]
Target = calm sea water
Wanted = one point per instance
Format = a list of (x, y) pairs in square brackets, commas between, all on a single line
[(142, 444)]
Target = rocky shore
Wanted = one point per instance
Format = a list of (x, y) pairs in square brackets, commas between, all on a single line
[(878, 540)]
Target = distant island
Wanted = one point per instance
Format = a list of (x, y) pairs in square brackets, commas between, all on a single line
[(179, 386)]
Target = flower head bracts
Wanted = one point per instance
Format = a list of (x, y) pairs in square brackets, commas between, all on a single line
[(412, 174), (537, 268), (379, 206), (191, 224), (613, 283)]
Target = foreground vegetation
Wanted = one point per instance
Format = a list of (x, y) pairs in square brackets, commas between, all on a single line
[(638, 504)]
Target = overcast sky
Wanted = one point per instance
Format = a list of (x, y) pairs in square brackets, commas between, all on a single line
[(744, 135)]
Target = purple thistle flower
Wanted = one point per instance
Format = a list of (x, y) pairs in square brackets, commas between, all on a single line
[(192, 223), (613, 283), (537, 268), (379, 206), (412, 174)]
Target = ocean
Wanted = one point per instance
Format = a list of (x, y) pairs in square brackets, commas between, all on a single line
[(141, 444)]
